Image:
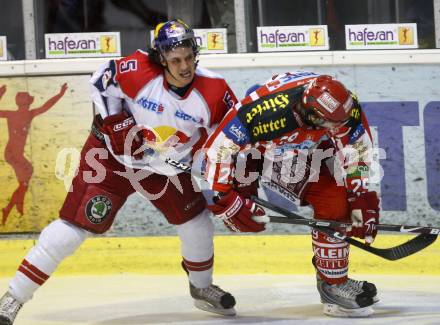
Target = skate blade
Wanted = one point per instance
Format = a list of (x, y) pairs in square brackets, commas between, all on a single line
[(203, 305), (333, 310)]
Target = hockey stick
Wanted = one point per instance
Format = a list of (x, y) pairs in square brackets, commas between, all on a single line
[(393, 253), (408, 248), (342, 225)]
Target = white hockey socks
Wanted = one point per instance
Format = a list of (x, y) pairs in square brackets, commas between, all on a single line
[(57, 241), (197, 248)]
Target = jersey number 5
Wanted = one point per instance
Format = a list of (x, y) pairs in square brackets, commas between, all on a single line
[(130, 65)]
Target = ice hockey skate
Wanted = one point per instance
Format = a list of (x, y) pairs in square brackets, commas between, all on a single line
[(9, 308), (347, 299), (359, 286), (364, 286), (213, 299)]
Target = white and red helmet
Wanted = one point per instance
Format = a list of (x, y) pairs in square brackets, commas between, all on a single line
[(326, 99)]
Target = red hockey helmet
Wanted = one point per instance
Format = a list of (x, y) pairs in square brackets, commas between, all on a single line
[(326, 99)]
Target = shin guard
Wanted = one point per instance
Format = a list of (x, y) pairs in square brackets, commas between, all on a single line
[(330, 257)]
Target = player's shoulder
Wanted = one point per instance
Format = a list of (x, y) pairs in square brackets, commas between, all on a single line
[(284, 88), (209, 75), (210, 83), (289, 80), (134, 71)]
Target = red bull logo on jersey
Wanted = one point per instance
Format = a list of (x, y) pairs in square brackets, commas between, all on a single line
[(161, 138)]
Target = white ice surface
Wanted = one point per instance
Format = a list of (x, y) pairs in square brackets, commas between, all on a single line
[(261, 299)]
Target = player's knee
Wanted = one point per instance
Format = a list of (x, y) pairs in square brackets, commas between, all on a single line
[(60, 239), (199, 229)]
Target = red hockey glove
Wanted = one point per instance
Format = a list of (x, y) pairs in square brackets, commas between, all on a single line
[(237, 212), (118, 127), (364, 210)]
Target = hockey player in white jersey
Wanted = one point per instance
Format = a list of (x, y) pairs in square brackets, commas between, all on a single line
[(148, 104)]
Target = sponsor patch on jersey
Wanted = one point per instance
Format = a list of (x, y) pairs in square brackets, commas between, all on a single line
[(150, 105), (358, 132), (357, 171), (306, 144), (271, 116), (272, 103), (98, 208), (235, 131), (289, 77), (187, 117), (328, 102), (360, 153)]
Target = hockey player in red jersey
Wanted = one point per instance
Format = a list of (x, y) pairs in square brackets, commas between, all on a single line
[(148, 104), (316, 145)]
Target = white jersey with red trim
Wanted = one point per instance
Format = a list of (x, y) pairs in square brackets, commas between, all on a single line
[(268, 120), (176, 126)]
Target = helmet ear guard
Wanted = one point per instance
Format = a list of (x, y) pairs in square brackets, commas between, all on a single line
[(326, 99)]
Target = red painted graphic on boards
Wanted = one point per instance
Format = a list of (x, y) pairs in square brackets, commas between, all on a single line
[(18, 122)]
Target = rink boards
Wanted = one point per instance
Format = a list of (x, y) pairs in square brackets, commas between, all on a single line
[(398, 89), (273, 254)]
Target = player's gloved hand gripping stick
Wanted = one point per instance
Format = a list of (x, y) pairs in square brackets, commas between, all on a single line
[(238, 213)]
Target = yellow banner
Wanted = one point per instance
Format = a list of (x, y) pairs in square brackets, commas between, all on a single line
[(42, 120)]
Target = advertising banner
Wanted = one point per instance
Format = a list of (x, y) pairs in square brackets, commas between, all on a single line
[(77, 45), (292, 38), (381, 36), (210, 40), (3, 49)]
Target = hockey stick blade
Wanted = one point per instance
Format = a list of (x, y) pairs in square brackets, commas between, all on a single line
[(408, 248)]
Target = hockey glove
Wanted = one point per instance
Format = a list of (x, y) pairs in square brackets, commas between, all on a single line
[(238, 212), (364, 209), (118, 127)]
